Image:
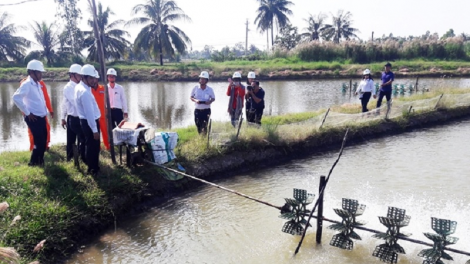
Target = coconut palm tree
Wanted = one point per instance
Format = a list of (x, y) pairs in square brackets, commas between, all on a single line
[(157, 36), (112, 37), (11, 47), (315, 27), (272, 12), (341, 27), (48, 38)]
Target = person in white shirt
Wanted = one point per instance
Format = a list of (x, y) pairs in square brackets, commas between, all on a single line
[(29, 98), (117, 99), (89, 115), (366, 89), (70, 119), (202, 96)]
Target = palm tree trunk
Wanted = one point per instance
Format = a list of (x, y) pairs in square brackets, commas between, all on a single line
[(272, 34), (161, 52), (267, 39)]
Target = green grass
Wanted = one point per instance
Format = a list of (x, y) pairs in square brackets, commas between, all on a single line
[(58, 202)]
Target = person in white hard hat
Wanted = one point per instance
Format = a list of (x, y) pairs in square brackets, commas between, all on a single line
[(89, 115), (70, 119), (236, 91), (248, 106), (366, 89), (29, 98), (202, 96), (117, 99)]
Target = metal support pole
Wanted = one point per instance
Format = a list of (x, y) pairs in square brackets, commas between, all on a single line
[(350, 88), (320, 209), (416, 85)]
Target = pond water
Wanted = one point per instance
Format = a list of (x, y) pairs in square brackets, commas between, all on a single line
[(167, 105), (425, 172)]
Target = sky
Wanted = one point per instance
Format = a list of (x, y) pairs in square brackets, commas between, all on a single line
[(219, 23)]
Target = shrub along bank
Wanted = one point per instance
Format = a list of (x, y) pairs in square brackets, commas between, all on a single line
[(289, 68), (61, 204)]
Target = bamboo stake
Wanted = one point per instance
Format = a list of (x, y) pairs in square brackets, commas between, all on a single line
[(322, 191), (209, 132), (324, 119), (239, 126), (435, 107)]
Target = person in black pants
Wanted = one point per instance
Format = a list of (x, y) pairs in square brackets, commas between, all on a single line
[(202, 96), (117, 99), (386, 87), (29, 98), (255, 103), (366, 89), (70, 119), (89, 115)]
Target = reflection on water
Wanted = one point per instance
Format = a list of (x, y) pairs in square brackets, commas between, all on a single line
[(424, 172), (167, 105)]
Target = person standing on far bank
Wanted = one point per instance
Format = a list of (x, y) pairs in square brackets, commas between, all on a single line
[(250, 78), (70, 119), (29, 98), (89, 115), (117, 99), (202, 96), (255, 99), (236, 91), (386, 87), (366, 89)]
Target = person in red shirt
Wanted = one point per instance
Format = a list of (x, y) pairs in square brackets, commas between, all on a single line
[(99, 94), (51, 112), (236, 91)]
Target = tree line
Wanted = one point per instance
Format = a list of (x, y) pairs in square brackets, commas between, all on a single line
[(323, 38)]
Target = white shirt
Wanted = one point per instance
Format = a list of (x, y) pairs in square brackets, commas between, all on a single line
[(366, 86), (202, 95), (68, 102), (29, 98), (117, 97), (86, 105)]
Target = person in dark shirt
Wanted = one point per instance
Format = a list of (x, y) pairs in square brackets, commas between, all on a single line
[(386, 87), (255, 103)]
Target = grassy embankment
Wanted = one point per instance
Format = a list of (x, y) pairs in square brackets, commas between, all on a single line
[(273, 69), (62, 205)]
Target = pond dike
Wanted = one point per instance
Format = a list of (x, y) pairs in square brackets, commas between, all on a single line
[(158, 190)]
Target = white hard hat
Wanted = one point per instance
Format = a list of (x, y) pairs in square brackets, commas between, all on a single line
[(204, 74), (35, 65), (111, 71), (236, 75), (251, 75), (89, 70), (367, 71), (75, 68)]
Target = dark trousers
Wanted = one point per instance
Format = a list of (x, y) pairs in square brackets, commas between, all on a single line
[(365, 100), (388, 95), (92, 146), (116, 116), (254, 115), (39, 131), (74, 134), (201, 118)]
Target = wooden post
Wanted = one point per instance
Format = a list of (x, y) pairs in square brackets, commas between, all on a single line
[(409, 110), (416, 85), (320, 209)]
